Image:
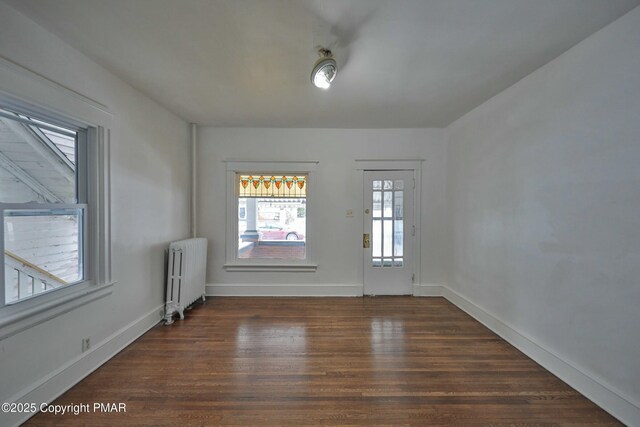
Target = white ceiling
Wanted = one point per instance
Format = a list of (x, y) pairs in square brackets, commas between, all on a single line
[(402, 63)]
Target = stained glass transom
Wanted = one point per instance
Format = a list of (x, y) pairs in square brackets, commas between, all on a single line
[(287, 186)]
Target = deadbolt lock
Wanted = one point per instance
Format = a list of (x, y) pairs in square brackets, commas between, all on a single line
[(365, 241)]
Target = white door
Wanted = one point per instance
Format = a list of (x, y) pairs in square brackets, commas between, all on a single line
[(388, 238)]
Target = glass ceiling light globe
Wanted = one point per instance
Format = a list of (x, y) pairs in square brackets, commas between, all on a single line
[(324, 72)]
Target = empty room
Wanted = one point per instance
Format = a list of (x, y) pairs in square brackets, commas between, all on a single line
[(320, 212)]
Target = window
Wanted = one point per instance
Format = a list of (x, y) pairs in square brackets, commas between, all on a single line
[(270, 204), (54, 199), (272, 227), (43, 205)]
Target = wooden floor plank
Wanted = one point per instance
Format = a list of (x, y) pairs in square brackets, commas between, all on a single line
[(385, 361)]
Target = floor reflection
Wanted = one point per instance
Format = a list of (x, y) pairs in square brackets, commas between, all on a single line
[(263, 338), (265, 351), (388, 347), (387, 336)]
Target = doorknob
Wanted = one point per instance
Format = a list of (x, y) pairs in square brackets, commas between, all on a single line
[(365, 241)]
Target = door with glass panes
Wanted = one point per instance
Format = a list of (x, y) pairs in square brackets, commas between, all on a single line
[(388, 238)]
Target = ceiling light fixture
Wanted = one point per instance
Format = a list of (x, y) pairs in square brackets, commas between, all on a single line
[(324, 70)]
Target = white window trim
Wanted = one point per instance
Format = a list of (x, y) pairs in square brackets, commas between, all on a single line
[(28, 92), (233, 263)]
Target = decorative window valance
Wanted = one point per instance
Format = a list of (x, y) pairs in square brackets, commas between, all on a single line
[(287, 186)]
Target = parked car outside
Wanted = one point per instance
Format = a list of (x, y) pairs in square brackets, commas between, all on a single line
[(274, 232)]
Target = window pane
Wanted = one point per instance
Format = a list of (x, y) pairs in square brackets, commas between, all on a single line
[(43, 251), (388, 196), (398, 239), (64, 143), (377, 204), (387, 242), (398, 184), (399, 205), (268, 185), (272, 228), (272, 215), (377, 185), (376, 238), (388, 185), (37, 161)]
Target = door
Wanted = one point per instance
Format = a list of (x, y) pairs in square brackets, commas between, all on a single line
[(388, 238)]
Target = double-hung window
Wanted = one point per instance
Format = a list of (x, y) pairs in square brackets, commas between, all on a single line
[(43, 206), (54, 207), (54, 199)]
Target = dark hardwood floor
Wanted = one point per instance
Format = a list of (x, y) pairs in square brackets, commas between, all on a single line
[(391, 361)]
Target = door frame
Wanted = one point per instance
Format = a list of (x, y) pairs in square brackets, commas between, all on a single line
[(414, 165)]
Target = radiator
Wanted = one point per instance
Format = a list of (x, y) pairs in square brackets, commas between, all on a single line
[(186, 270)]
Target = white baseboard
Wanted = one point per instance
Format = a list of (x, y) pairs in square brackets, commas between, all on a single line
[(271, 290), (306, 290), (48, 388), (603, 395), (428, 290)]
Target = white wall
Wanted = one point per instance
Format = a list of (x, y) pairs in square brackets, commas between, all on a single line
[(544, 201), (150, 205), (338, 238)]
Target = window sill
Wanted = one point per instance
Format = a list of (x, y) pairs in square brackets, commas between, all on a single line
[(299, 268), (16, 318)]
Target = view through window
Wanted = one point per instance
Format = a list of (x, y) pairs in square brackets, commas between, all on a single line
[(272, 216), (42, 209)]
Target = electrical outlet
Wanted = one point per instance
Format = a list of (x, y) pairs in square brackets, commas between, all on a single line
[(86, 344)]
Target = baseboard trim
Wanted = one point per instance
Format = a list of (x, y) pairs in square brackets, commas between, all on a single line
[(601, 394), (306, 290), (428, 290), (50, 387), (271, 290)]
